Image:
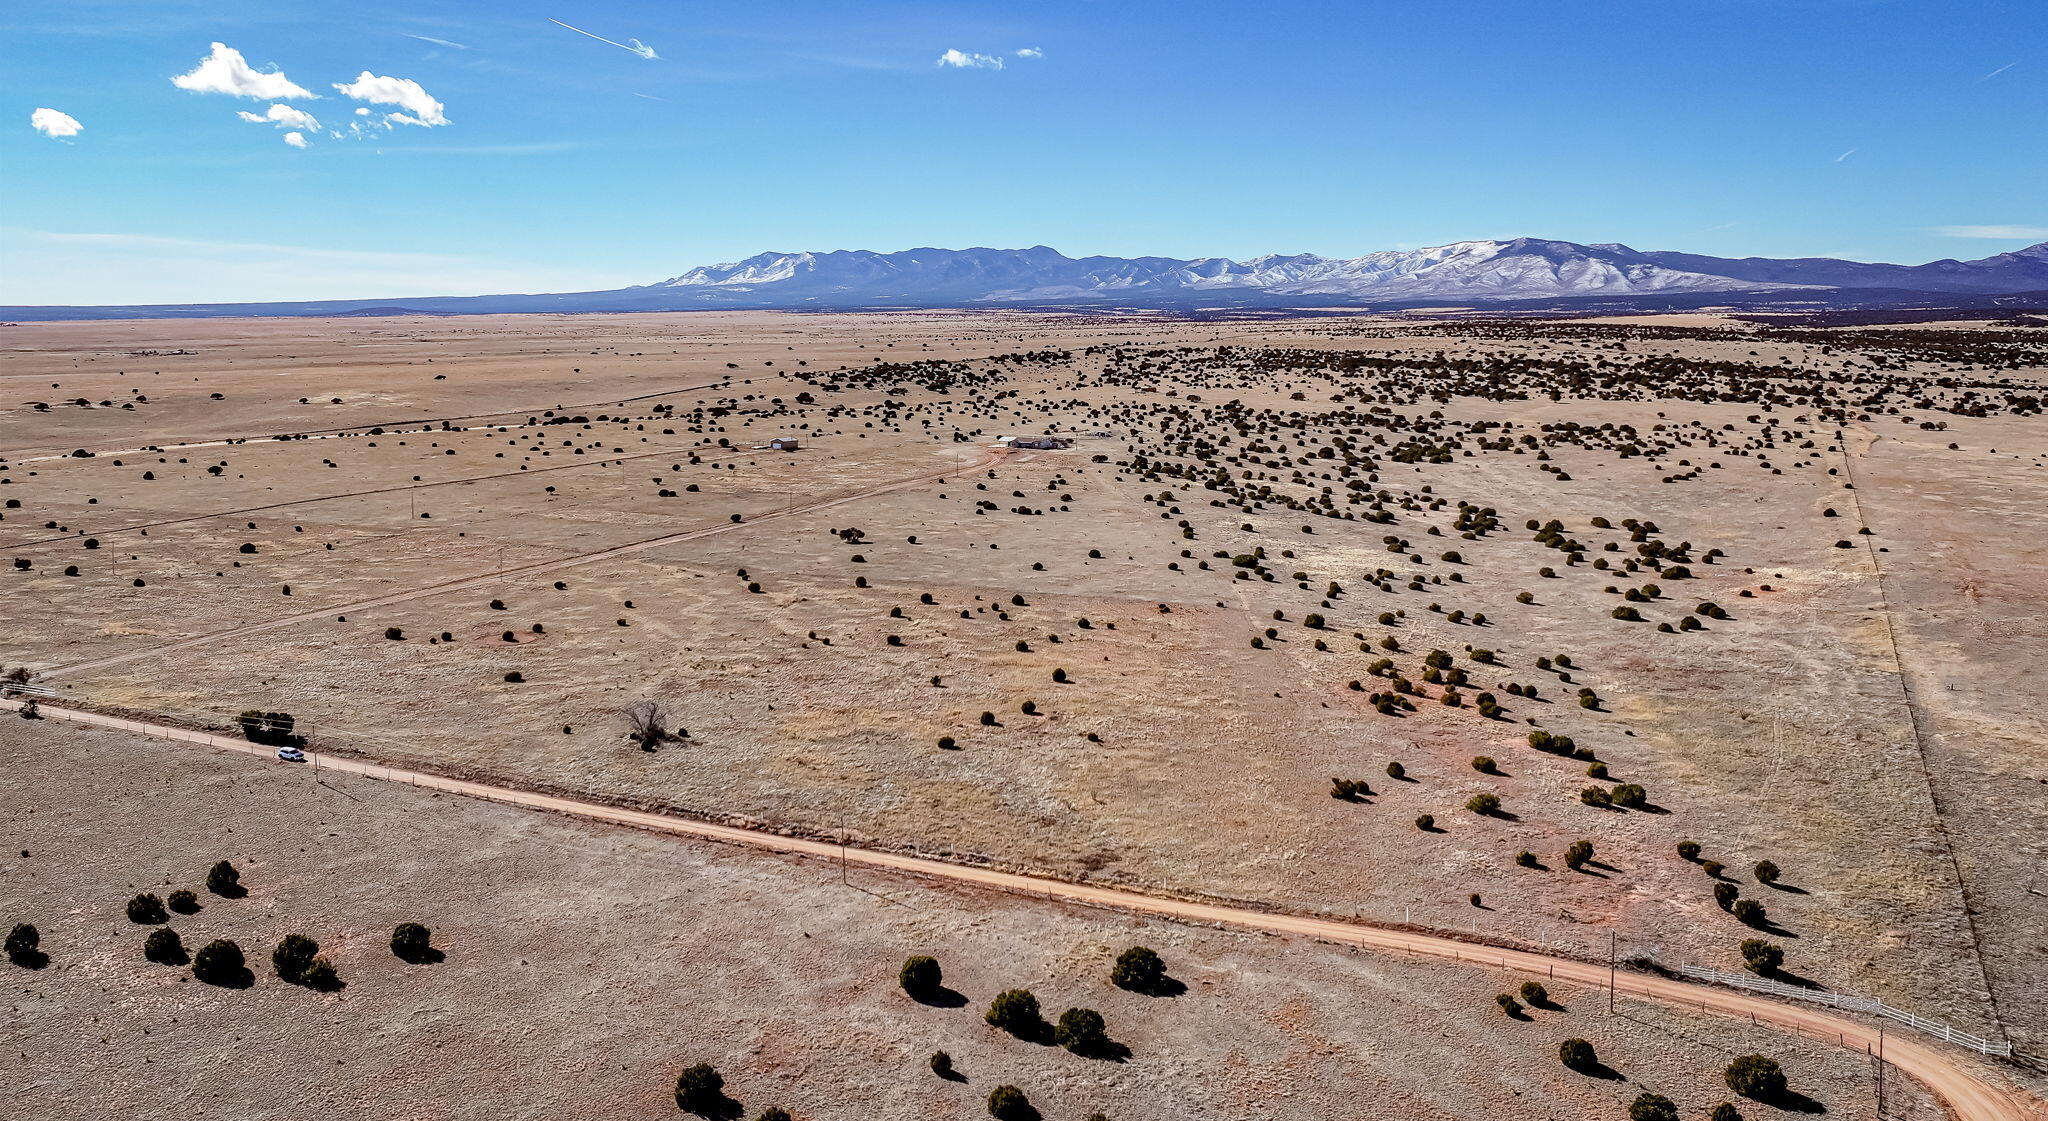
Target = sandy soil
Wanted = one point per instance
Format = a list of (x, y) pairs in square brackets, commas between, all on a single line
[(585, 967)]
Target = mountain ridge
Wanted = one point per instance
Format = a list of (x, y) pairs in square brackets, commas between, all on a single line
[(1514, 272)]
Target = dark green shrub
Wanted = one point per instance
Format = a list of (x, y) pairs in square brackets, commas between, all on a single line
[(1689, 850), (1015, 1011), (147, 910), (220, 962), (164, 947), (921, 976), (701, 1089), (1652, 1107), (1754, 1076), (223, 880), (294, 953), (1425, 822), (24, 943), (272, 728), (1766, 872), (1485, 805), (1350, 789), (1576, 856), (1725, 1112), (1535, 993), (1081, 1031), (1139, 970), (1629, 796), (1508, 1005), (1725, 894), (1577, 1054), (319, 975), (1750, 913), (1008, 1103), (184, 902), (942, 1064), (774, 1113), (413, 943), (1762, 958)]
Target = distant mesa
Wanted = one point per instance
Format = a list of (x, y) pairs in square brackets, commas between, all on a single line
[(1522, 274), (385, 310)]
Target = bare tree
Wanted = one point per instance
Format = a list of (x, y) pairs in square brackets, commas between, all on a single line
[(647, 723)]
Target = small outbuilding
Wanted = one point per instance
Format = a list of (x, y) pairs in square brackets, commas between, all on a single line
[(783, 444), (1049, 443)]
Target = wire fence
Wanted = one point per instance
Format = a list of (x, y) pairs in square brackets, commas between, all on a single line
[(1936, 1028)]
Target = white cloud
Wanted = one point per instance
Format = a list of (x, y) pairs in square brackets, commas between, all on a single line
[(295, 139), (226, 71), (1995, 233), (284, 116), (405, 93), (1030, 52), (54, 124), (966, 60)]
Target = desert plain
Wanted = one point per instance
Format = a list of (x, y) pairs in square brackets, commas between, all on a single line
[(1371, 619)]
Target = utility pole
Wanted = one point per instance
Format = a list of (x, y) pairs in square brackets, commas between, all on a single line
[(842, 850), (1880, 1069)]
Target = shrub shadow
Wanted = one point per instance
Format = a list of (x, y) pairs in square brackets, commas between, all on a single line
[(940, 997), (238, 978), (1166, 986), (724, 1109)]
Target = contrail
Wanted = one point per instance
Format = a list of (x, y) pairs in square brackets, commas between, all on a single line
[(1997, 72), (1845, 155), (437, 42), (638, 48)]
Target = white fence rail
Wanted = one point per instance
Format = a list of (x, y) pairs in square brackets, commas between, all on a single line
[(25, 689), (1852, 1003)]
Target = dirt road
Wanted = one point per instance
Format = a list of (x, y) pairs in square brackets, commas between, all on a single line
[(1967, 1089), (989, 457), (465, 480)]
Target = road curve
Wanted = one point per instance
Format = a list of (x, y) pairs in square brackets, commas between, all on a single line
[(989, 457), (1968, 1092)]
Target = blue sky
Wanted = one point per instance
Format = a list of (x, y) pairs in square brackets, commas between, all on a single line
[(1858, 128)]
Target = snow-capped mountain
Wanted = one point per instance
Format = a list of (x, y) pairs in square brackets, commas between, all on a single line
[(1524, 272), (1522, 269)]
